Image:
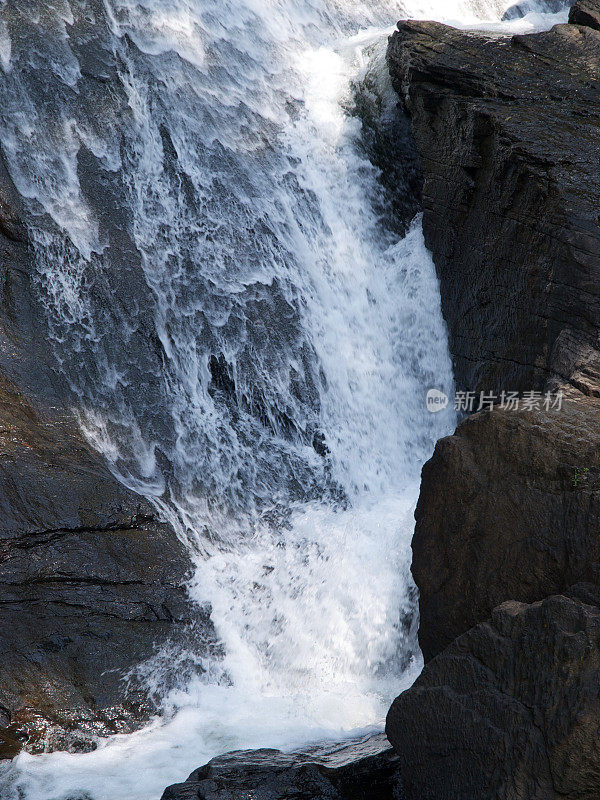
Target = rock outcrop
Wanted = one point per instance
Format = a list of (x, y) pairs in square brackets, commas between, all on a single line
[(506, 548), (272, 775), (509, 711), (92, 585), (509, 510), (508, 134)]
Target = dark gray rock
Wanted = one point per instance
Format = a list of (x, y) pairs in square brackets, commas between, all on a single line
[(272, 775), (509, 510), (92, 585), (587, 13), (509, 711), (507, 132)]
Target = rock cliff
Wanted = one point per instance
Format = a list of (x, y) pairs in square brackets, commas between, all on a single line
[(506, 552), (507, 132), (91, 583)]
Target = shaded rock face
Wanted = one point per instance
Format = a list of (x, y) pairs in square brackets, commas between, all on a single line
[(272, 775), (509, 509), (519, 10), (586, 12), (91, 583), (487, 720), (506, 549), (507, 133), (389, 144)]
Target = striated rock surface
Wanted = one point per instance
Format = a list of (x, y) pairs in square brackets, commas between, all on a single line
[(586, 12), (509, 510), (272, 775), (509, 711), (91, 583), (507, 131), (506, 548)]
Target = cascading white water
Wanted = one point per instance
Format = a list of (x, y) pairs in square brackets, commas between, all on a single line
[(249, 340)]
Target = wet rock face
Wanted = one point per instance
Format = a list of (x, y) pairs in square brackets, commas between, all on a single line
[(389, 144), (506, 549), (507, 133), (509, 510), (586, 12), (272, 775), (92, 585), (509, 711)]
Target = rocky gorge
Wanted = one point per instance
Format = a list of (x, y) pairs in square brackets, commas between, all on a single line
[(504, 165), (505, 552)]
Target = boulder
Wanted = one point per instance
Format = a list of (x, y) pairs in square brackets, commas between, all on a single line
[(507, 134), (272, 775), (509, 711), (587, 13), (509, 510)]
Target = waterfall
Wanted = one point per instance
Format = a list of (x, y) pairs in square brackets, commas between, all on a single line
[(249, 340)]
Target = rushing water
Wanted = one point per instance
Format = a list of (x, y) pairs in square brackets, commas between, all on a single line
[(248, 338)]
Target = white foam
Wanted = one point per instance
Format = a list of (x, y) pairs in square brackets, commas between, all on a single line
[(5, 47)]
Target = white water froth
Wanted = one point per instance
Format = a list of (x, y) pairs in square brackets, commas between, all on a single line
[(316, 614)]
